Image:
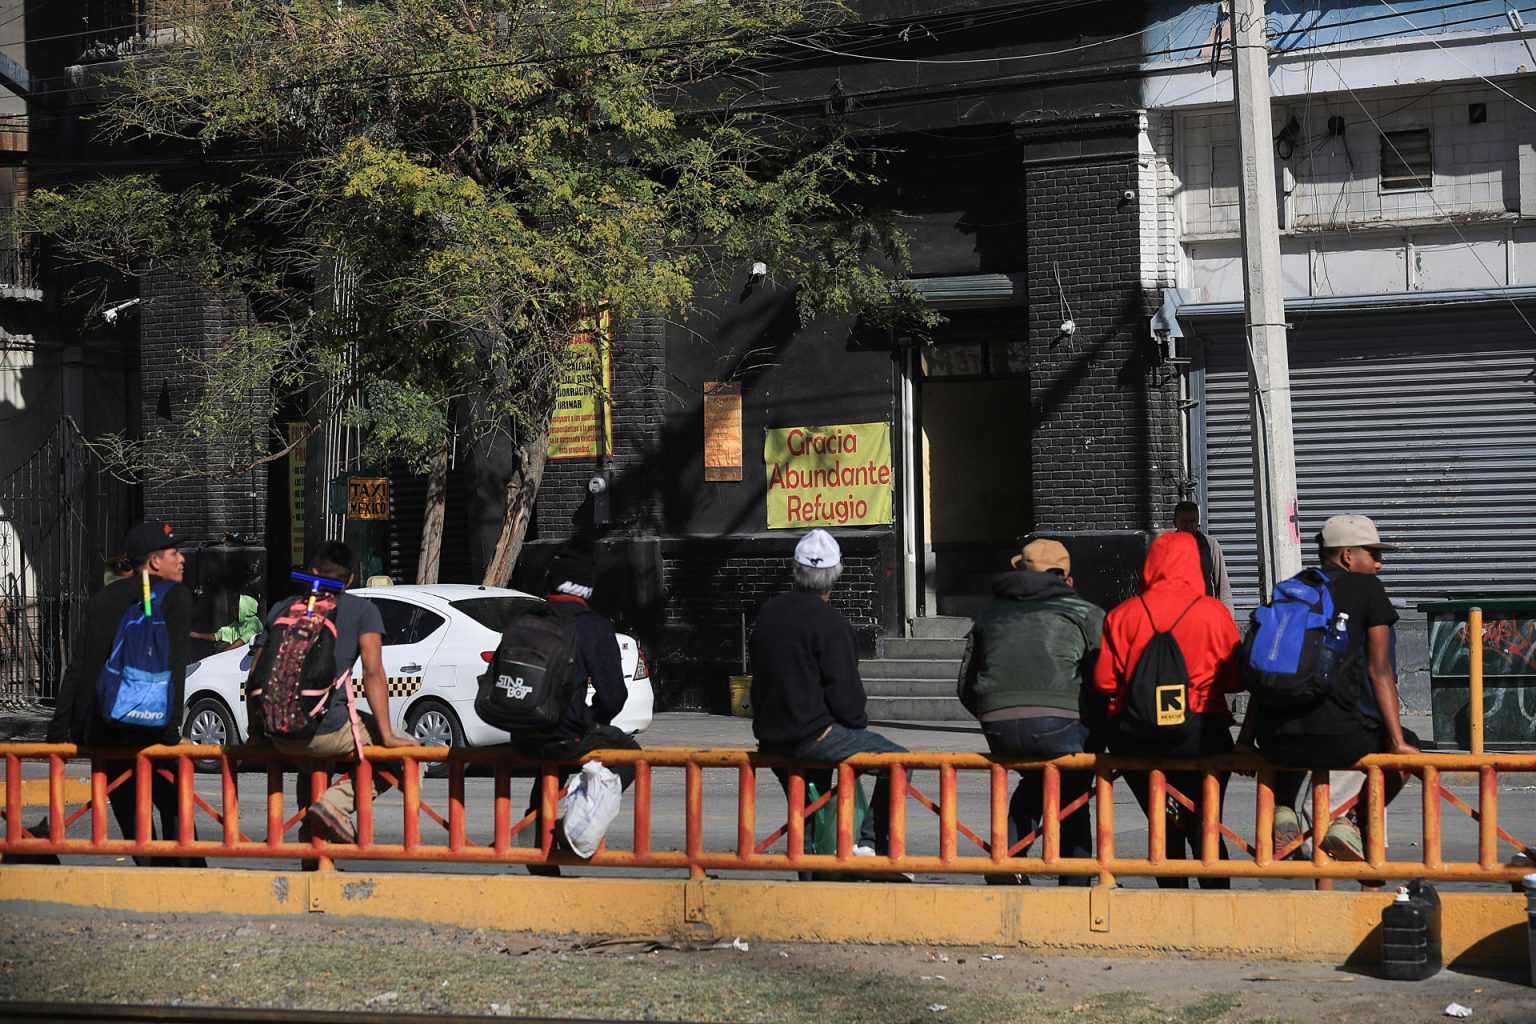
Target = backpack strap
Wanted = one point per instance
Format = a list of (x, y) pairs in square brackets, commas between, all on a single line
[(1176, 621)]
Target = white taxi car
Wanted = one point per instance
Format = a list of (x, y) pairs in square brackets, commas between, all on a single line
[(438, 639)]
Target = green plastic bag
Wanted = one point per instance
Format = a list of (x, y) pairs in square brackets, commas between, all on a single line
[(824, 819)]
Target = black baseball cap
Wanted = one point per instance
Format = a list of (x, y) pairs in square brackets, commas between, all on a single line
[(147, 538)]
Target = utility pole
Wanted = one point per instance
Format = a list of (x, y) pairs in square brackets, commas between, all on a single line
[(1269, 375)]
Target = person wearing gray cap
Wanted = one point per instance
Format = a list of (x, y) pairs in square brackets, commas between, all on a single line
[(808, 701), (1358, 718)]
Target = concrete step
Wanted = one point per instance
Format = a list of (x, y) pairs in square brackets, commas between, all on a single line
[(941, 627), (916, 709), (910, 687), (894, 668), (920, 647)]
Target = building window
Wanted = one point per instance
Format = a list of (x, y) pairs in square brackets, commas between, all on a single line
[(1224, 174), (1407, 161)]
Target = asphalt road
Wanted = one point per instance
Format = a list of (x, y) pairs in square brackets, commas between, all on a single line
[(1517, 806)]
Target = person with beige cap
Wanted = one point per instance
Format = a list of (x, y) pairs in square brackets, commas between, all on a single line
[(1028, 657), (1359, 717)]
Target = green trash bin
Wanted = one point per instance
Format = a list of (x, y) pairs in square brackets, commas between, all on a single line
[(1509, 672)]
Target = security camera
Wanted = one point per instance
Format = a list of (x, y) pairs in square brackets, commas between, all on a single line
[(1068, 328), (1128, 194), (759, 270), (110, 314)]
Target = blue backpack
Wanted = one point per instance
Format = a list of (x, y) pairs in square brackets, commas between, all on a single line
[(134, 687), (1281, 655)]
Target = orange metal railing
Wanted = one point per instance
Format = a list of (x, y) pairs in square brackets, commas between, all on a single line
[(928, 832)]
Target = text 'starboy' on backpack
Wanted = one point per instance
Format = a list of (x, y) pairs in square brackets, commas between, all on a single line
[(134, 687), (1156, 704), (297, 669), (1284, 641), (528, 684)]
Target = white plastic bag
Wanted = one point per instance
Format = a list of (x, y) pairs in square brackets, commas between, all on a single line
[(589, 806)]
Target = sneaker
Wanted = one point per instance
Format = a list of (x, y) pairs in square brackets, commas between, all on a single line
[(860, 850), (1287, 831), (1005, 879), (326, 825), (1343, 842)]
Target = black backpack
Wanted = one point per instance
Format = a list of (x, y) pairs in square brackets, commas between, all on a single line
[(1155, 709), (291, 682), (529, 683)]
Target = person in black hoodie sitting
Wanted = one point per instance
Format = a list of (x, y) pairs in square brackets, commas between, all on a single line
[(583, 728), (807, 697)]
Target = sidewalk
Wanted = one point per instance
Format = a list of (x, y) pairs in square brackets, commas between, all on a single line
[(698, 729)]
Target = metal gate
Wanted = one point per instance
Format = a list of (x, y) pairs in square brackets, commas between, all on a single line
[(1424, 421), (61, 518)]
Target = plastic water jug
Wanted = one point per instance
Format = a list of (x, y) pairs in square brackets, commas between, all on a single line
[(1410, 934)]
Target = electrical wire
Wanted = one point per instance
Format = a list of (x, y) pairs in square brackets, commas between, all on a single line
[(1458, 59), (1444, 214)]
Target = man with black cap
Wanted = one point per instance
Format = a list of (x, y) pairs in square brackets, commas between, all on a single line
[(153, 550), (568, 584), (807, 698)]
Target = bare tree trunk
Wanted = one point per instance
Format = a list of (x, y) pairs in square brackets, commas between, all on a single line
[(522, 489), (432, 520)]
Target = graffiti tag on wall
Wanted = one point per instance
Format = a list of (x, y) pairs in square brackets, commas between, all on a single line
[(1509, 647)]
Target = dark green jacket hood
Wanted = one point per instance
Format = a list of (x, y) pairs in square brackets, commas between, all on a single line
[(1033, 645)]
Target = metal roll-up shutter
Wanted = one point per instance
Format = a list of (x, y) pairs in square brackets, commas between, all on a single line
[(1426, 422)]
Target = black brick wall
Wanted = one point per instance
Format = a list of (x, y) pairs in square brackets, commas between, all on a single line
[(1105, 440), (564, 505), (710, 582), (177, 320)]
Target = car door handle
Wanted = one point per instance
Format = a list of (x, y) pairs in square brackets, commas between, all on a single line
[(410, 668)]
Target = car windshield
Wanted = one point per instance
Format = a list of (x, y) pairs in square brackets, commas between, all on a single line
[(492, 612)]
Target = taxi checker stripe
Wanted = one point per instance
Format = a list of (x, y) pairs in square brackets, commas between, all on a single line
[(399, 686)]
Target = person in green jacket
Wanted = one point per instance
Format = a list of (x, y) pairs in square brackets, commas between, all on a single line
[(1028, 657)]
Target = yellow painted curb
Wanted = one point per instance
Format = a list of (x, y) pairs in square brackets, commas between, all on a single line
[(34, 792), (1479, 928)]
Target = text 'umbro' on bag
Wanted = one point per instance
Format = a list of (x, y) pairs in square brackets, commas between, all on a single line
[(528, 684), (1282, 652), (134, 686), (296, 672), (1155, 708)]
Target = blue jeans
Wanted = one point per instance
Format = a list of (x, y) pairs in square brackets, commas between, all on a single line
[(1045, 738), (840, 743)]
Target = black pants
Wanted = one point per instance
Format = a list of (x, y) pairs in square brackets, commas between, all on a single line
[(604, 737), (125, 798), (1212, 736)]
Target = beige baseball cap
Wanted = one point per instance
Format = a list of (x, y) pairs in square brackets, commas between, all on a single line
[(1351, 531), (1042, 555)]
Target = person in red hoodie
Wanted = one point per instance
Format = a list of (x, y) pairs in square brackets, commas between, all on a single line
[(1173, 598)]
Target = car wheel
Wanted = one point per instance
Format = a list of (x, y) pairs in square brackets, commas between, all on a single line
[(434, 725), (209, 721)]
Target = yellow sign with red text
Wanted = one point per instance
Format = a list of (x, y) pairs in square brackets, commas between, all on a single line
[(829, 476), (582, 424)]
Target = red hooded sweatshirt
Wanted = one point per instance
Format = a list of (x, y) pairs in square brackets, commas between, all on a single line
[(1171, 581)]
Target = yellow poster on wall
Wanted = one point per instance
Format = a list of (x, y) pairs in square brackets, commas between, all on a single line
[(584, 407), (829, 476)]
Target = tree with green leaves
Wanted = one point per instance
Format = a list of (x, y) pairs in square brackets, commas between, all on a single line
[(416, 202)]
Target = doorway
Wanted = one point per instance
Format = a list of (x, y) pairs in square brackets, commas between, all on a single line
[(973, 429)]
